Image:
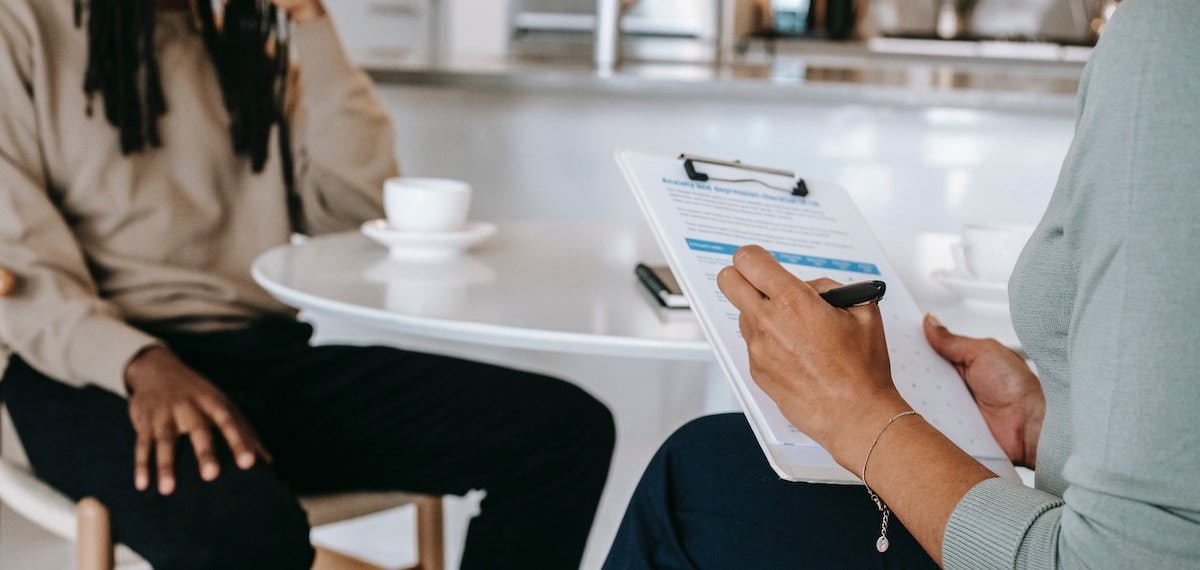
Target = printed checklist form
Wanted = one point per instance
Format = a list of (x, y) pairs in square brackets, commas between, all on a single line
[(700, 224)]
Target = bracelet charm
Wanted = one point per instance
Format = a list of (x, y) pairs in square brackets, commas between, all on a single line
[(882, 543)]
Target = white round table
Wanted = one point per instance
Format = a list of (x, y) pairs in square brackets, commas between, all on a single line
[(553, 286), (547, 285)]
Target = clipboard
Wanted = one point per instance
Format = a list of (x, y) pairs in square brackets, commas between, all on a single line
[(798, 188), (699, 223)]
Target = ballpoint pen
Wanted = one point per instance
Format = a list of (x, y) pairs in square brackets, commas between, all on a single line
[(855, 294)]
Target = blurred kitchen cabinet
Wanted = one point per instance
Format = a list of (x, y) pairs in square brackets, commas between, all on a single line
[(381, 33), (1063, 21)]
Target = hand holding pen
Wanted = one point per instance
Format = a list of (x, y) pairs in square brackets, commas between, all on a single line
[(826, 366)]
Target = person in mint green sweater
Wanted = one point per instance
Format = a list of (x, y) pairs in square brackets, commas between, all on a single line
[(1104, 300)]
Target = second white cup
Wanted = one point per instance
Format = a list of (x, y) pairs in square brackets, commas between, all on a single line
[(426, 204), (991, 250)]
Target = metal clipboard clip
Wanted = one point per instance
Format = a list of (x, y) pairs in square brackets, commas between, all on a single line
[(689, 166)]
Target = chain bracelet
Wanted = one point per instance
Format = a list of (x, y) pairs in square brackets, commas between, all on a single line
[(881, 544)]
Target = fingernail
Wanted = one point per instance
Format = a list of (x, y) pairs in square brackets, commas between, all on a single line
[(934, 321), (246, 460), (166, 486), (140, 482), (210, 471)]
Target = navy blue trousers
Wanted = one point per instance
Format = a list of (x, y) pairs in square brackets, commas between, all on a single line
[(336, 418), (709, 500)]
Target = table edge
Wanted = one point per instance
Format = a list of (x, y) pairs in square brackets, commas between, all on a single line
[(479, 333)]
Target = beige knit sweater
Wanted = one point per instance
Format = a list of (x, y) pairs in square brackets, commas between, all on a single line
[(99, 240)]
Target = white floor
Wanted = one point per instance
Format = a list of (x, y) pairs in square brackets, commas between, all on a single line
[(24, 546), (384, 539)]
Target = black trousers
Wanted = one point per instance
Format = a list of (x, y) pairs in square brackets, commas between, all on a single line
[(336, 419), (709, 500)]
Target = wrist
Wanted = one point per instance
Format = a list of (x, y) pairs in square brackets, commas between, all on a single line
[(849, 444), (146, 366)]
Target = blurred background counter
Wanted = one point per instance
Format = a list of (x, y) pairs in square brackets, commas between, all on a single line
[(830, 73), (930, 125)]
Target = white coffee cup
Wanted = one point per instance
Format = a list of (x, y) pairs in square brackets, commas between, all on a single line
[(426, 204), (990, 251)]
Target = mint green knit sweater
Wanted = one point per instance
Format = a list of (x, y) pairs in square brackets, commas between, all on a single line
[(1106, 300)]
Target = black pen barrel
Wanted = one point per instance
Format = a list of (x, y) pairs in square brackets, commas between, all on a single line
[(855, 294)]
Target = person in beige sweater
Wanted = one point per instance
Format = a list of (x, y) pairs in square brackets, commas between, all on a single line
[(149, 150)]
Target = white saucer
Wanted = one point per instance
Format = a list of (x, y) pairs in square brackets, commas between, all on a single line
[(428, 245), (970, 289)]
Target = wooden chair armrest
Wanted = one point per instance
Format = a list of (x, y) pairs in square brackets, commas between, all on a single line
[(8, 282), (94, 545)]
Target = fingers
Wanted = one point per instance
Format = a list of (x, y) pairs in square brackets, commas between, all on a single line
[(141, 461), (764, 273), (746, 327), (242, 441), (954, 348), (190, 421), (867, 313), (202, 443), (164, 453), (161, 442), (824, 284), (738, 290)]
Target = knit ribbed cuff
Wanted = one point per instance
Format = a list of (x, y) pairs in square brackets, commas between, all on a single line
[(101, 347), (325, 69), (999, 521)]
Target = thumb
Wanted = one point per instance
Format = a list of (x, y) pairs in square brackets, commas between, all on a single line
[(957, 349)]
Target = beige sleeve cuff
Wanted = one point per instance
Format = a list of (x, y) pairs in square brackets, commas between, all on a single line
[(100, 349), (325, 69)]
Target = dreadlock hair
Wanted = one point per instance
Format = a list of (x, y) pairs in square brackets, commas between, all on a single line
[(249, 51)]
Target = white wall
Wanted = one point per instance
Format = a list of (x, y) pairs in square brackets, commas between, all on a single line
[(537, 155)]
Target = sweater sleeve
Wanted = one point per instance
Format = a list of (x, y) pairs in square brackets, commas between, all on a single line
[(1131, 178), (344, 140), (55, 320)]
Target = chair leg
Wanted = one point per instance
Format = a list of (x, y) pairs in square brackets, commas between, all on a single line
[(431, 540), (333, 560), (94, 546)]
